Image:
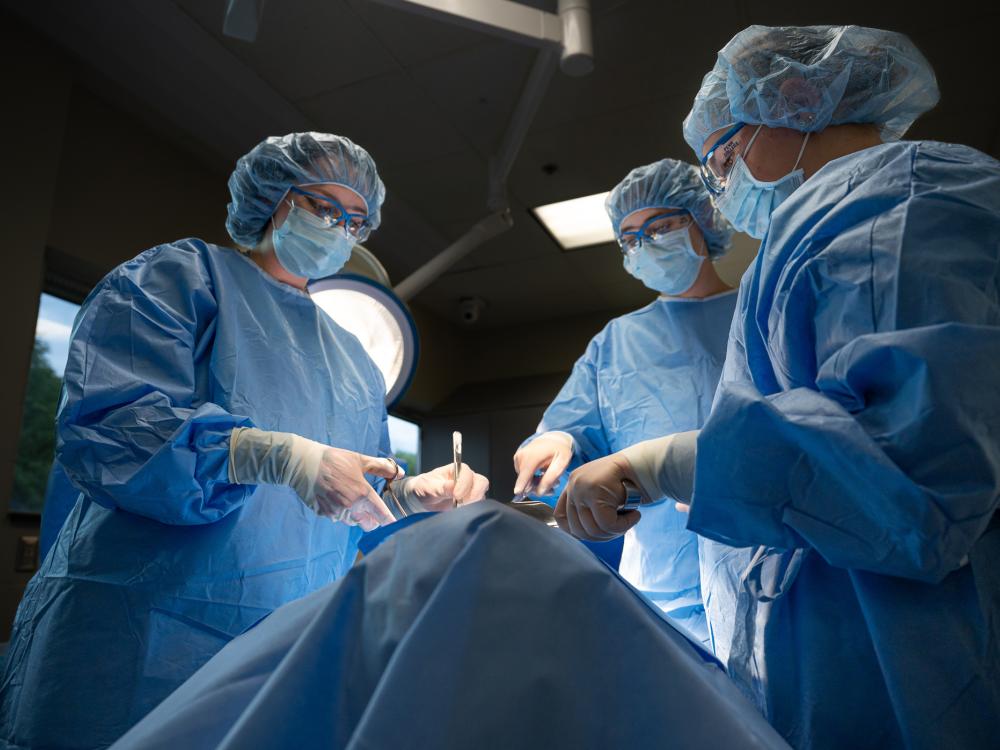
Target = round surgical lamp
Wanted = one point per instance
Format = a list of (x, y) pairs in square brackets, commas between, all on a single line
[(359, 300)]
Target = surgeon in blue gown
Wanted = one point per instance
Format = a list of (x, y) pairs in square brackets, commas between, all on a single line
[(650, 372), (227, 441), (847, 480)]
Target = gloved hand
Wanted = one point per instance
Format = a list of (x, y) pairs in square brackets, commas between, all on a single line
[(437, 490), (664, 467), (588, 506), (551, 452), (329, 480)]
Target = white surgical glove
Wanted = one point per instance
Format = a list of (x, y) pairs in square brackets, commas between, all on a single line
[(664, 467), (588, 506), (329, 480), (551, 452), (437, 490)]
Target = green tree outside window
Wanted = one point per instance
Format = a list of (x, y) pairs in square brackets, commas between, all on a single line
[(36, 446)]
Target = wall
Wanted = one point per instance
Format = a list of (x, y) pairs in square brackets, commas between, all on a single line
[(122, 188), (32, 143), (439, 371), (494, 418)]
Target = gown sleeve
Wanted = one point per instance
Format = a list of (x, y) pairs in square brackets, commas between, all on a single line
[(575, 411), (134, 428)]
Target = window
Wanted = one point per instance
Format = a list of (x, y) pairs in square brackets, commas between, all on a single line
[(36, 444), (404, 439)]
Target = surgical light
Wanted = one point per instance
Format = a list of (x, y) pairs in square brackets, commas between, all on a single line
[(378, 319)]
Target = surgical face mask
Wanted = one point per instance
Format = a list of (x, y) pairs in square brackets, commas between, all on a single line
[(668, 264), (748, 203), (307, 246)]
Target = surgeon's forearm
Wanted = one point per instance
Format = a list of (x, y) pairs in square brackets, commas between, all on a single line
[(665, 466), (266, 457)]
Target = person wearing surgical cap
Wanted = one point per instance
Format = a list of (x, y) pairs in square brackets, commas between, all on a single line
[(847, 481), (650, 372), (225, 442)]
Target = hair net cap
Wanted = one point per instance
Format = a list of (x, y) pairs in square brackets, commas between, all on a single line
[(263, 176), (669, 183), (809, 77)]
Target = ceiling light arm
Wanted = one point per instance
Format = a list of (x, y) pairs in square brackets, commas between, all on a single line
[(568, 30), (500, 219), (483, 231), (242, 19), (513, 138), (566, 37)]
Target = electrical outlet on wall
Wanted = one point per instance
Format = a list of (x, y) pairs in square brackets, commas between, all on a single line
[(26, 560)]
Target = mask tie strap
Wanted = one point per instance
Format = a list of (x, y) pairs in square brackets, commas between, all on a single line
[(801, 151), (746, 152)]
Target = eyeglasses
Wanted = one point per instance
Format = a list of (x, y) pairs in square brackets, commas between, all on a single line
[(334, 214), (716, 164), (653, 228)]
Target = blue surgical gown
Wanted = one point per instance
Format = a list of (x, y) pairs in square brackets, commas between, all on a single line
[(480, 628), (647, 374), (60, 497), (849, 473), (162, 561)]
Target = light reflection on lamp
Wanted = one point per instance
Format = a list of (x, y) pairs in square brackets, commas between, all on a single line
[(380, 321)]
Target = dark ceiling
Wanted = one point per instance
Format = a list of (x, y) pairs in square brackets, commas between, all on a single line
[(430, 101)]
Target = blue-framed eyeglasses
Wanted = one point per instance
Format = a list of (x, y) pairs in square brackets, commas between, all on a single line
[(715, 170), (654, 228), (335, 215)]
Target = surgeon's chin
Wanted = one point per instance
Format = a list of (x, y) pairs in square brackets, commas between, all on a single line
[(263, 255)]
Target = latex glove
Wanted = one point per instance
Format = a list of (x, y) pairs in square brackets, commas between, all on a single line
[(551, 452), (329, 480), (437, 490), (665, 466), (588, 506)]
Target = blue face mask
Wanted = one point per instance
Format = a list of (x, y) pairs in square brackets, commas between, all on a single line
[(668, 264), (307, 246), (748, 203)]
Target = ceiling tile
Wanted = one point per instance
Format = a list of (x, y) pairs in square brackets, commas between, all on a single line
[(478, 88), (412, 37), (388, 116), (594, 154), (448, 190), (302, 48)]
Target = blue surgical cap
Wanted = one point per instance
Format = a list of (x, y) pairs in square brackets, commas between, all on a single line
[(669, 183), (262, 178), (809, 77)]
